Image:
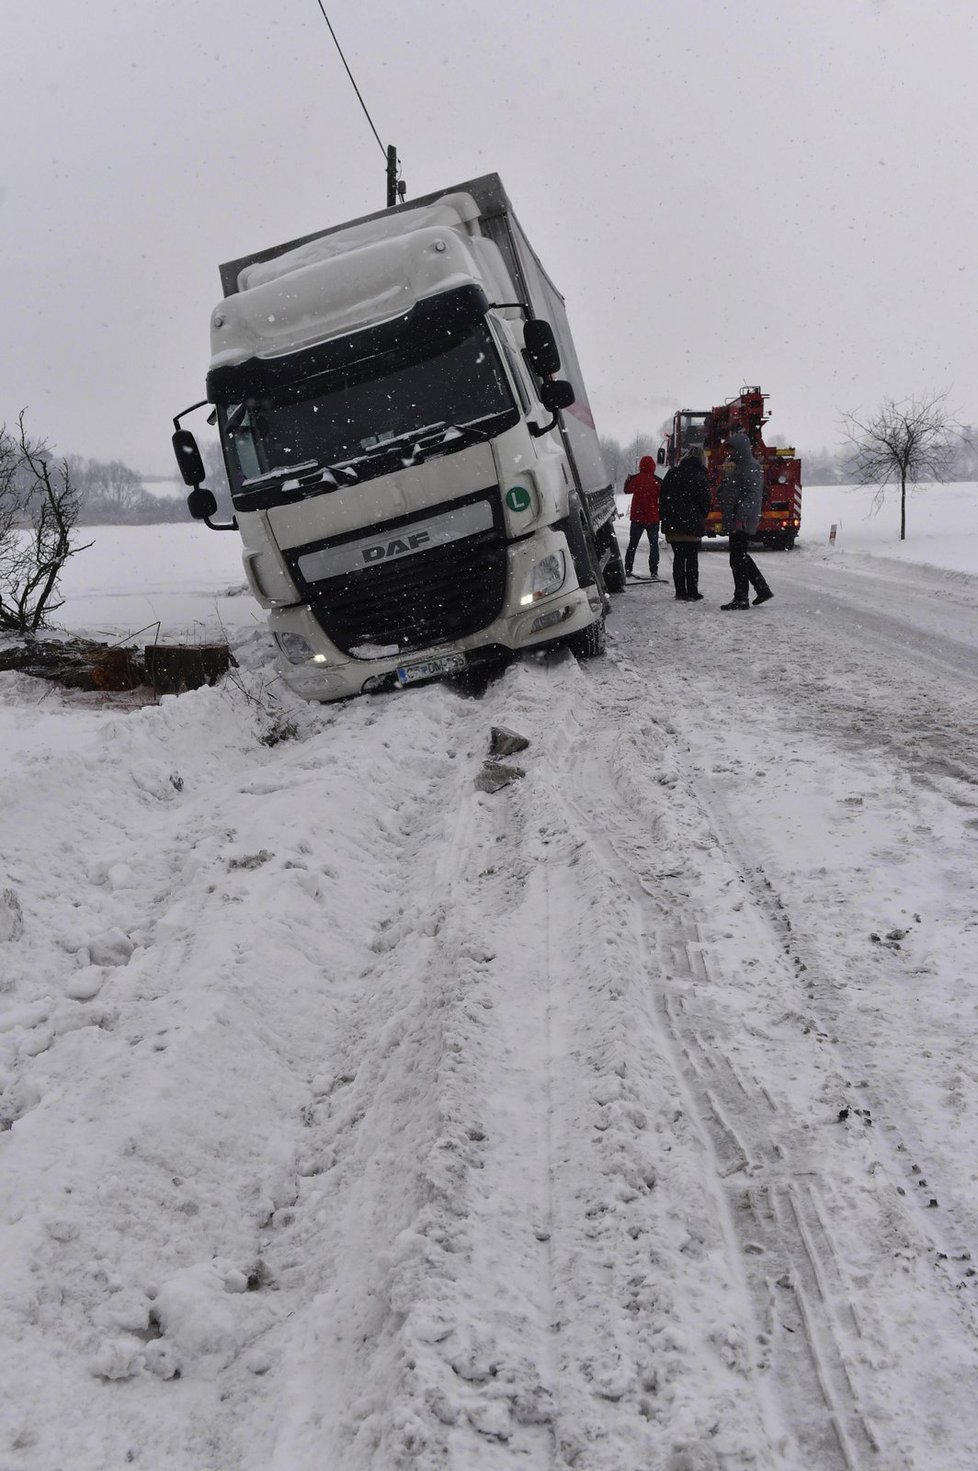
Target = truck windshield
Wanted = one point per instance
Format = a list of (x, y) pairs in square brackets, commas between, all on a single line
[(694, 430), (347, 413)]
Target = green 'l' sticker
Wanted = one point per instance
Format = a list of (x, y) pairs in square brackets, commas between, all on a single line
[(518, 498)]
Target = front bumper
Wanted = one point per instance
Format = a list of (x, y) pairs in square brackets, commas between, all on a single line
[(331, 674)]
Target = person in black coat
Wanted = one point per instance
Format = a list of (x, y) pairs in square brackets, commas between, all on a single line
[(683, 507), (741, 497)]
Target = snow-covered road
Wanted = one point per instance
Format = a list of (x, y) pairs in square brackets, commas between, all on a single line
[(623, 1118)]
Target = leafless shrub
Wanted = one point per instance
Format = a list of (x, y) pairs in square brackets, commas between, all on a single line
[(38, 511)]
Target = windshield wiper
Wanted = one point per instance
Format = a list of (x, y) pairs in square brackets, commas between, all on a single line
[(279, 474), (415, 440), (401, 451), (309, 476), (468, 431)]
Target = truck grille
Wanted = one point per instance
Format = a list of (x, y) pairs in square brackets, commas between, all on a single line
[(430, 598)]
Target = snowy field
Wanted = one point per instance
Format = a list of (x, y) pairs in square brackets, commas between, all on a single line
[(352, 1119), (183, 580), (188, 580)]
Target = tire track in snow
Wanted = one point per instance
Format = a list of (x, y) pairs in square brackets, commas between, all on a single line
[(547, 1282), (887, 604), (887, 1268), (650, 1306), (809, 1333), (430, 1312), (948, 1236), (932, 742)]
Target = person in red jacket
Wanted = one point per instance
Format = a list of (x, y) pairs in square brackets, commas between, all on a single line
[(644, 487)]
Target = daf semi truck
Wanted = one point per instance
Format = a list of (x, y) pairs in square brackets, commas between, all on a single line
[(414, 470)]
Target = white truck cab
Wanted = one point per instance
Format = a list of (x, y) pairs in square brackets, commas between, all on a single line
[(410, 498)]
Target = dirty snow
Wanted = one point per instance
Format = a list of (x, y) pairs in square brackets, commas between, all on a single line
[(622, 1118)]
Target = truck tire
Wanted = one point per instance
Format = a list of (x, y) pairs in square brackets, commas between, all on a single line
[(583, 548), (590, 642), (615, 577)]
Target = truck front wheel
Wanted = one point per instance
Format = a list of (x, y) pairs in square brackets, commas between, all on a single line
[(590, 642), (615, 579), (583, 547)]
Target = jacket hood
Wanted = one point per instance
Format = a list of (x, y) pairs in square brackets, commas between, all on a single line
[(646, 465), (740, 449)]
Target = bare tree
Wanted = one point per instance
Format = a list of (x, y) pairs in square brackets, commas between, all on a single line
[(108, 491), (907, 441), (38, 511), (614, 459), (642, 444), (821, 467), (622, 461)]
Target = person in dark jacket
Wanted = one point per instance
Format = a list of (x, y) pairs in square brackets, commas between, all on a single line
[(685, 503), (741, 495), (644, 487)]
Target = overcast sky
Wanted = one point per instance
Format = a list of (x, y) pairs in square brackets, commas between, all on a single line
[(775, 192)]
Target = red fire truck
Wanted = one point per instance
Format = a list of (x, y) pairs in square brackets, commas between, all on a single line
[(712, 428)]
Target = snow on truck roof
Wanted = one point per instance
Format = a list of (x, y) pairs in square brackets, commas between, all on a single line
[(323, 293), (483, 196), (451, 212)]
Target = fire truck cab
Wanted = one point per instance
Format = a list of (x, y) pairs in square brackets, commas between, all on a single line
[(711, 429)]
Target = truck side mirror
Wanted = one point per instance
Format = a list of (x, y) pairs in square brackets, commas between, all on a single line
[(660, 457), (188, 458), (556, 395), (200, 502), (541, 347)]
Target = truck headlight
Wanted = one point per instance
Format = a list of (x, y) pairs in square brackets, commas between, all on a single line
[(295, 647), (546, 577)]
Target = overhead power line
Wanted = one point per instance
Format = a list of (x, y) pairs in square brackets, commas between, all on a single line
[(396, 188), (352, 80)]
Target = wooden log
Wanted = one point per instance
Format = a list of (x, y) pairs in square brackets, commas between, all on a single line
[(79, 664), (173, 668)]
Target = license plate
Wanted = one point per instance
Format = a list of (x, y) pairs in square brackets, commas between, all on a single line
[(431, 668)]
